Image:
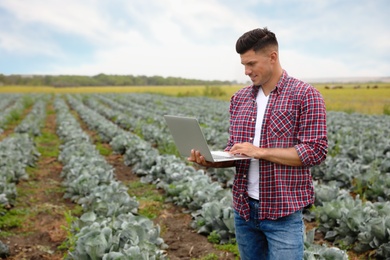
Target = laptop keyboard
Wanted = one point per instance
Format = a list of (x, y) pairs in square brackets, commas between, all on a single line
[(215, 156), (221, 155)]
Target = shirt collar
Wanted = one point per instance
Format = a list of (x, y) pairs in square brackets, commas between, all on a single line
[(255, 90), (281, 83)]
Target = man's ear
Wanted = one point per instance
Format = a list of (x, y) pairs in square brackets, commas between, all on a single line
[(274, 56)]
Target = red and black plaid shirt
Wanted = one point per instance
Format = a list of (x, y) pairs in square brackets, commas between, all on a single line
[(295, 117)]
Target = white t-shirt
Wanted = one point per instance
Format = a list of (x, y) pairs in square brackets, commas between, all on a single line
[(253, 178)]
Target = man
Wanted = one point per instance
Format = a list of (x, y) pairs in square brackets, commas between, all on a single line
[(280, 122)]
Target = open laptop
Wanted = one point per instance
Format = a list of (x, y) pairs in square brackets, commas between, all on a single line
[(187, 135)]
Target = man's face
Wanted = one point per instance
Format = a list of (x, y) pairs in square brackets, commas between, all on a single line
[(257, 66)]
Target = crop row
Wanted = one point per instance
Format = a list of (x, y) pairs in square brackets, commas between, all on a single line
[(17, 152), (9, 104)]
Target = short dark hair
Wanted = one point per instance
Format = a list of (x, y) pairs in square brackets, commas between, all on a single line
[(256, 39)]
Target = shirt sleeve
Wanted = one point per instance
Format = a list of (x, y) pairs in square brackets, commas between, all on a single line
[(231, 109), (312, 144)]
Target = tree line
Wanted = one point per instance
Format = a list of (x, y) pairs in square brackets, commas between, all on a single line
[(103, 80)]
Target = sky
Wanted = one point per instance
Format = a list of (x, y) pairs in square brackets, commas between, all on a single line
[(192, 39)]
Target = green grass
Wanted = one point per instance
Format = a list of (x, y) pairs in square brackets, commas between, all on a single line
[(70, 242), (12, 218), (28, 101), (14, 117), (211, 256), (103, 150), (47, 144), (233, 248), (386, 109), (168, 148), (214, 238), (151, 201), (58, 189)]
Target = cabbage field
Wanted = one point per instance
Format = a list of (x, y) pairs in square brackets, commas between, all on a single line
[(350, 218)]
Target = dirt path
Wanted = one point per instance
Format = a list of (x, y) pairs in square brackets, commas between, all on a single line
[(40, 207)]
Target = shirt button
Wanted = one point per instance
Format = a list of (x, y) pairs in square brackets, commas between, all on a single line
[(251, 138), (253, 119), (244, 176)]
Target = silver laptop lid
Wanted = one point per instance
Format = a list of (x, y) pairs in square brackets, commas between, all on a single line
[(188, 135)]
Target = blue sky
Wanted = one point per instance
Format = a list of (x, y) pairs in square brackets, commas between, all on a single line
[(192, 38)]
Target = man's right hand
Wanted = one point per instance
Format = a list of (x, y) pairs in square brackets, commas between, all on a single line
[(196, 157)]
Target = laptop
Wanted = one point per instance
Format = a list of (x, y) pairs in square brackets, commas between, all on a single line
[(188, 135)]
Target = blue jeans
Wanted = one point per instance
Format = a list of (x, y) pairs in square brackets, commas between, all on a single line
[(278, 239)]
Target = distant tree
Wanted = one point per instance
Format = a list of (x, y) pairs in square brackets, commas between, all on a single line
[(104, 80), (47, 81), (2, 79)]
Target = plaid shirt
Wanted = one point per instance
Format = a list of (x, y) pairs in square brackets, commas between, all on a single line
[(295, 116)]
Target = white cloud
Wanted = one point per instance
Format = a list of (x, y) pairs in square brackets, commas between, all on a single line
[(302, 66), (202, 62), (315, 66), (195, 38), (27, 44), (74, 17), (173, 44)]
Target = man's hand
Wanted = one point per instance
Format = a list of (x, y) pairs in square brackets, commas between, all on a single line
[(246, 148), (196, 157), (285, 156)]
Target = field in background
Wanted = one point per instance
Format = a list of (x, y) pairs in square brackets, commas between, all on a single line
[(362, 100), (368, 98)]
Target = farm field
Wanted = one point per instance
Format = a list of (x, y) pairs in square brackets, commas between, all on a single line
[(97, 174), (365, 98)]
